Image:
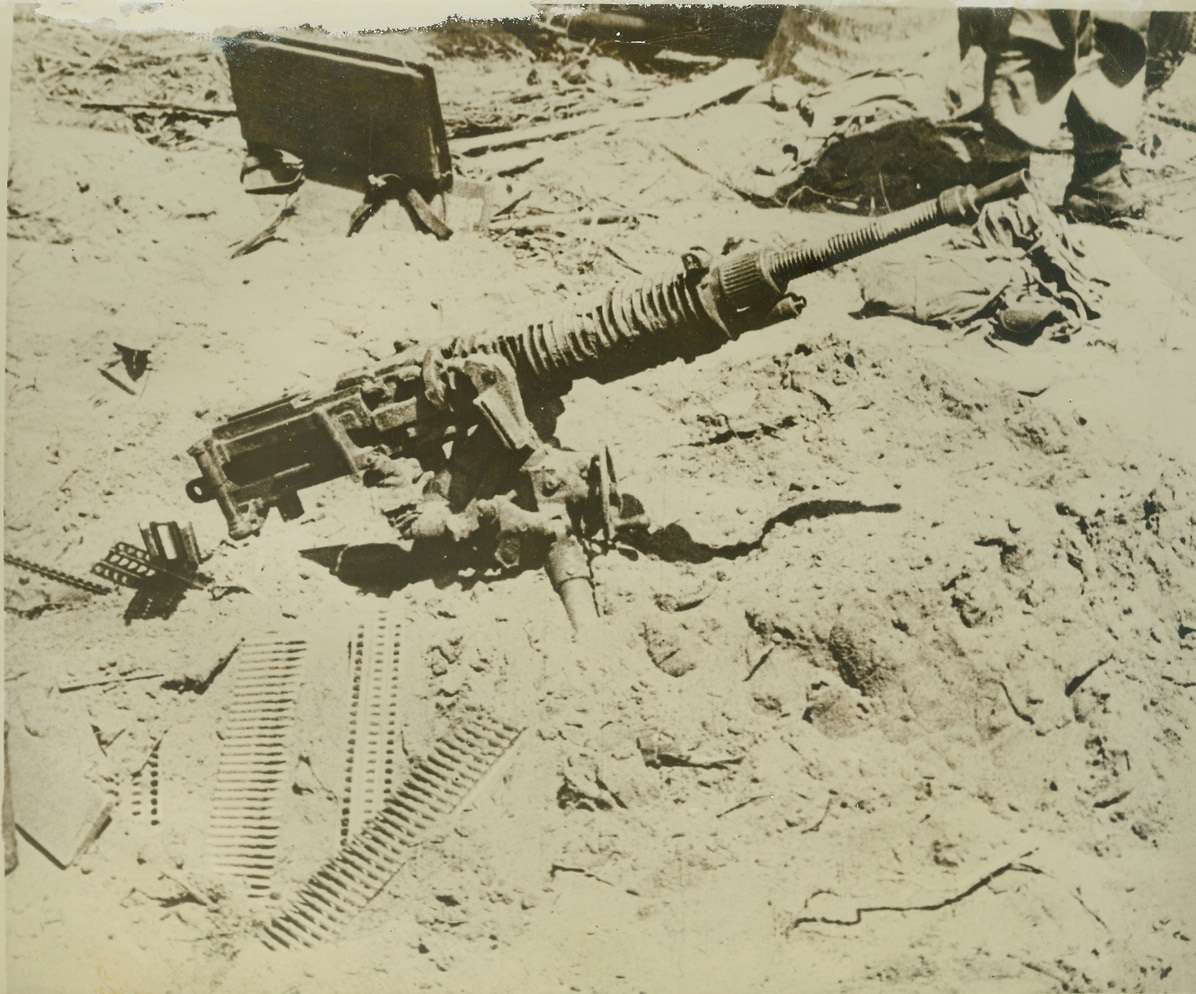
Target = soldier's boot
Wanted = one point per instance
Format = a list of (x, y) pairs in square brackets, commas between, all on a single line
[(1099, 191)]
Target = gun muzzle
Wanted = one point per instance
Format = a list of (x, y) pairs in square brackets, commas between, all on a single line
[(958, 205)]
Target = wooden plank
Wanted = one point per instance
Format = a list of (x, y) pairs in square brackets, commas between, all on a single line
[(54, 802)]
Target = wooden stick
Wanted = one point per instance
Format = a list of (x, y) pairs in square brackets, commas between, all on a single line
[(678, 100), (68, 684), (209, 111), (537, 222)]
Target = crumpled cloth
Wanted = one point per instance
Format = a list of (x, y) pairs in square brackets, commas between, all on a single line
[(1019, 272), (948, 291)]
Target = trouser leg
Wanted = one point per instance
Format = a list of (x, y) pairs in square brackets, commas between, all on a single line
[(1045, 67), (1030, 66), (1110, 84)]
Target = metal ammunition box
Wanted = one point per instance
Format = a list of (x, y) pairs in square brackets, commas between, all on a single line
[(346, 114)]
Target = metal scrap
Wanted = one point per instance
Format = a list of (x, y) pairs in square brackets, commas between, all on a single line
[(133, 363), (161, 573)]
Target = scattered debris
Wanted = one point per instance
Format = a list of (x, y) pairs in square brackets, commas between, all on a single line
[(826, 810), (538, 222), (582, 789), (467, 206), (856, 915), (763, 658), (723, 85), (743, 804), (658, 750), (380, 189), (271, 171), (674, 603), (198, 679), (664, 639), (1076, 682), (557, 868), (521, 166), (268, 233), (1108, 802), (133, 362), (159, 106)]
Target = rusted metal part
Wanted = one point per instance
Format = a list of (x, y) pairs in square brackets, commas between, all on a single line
[(170, 553), (161, 573), (128, 566), (173, 550), (568, 569)]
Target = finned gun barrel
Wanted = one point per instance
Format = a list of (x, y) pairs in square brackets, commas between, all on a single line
[(696, 311)]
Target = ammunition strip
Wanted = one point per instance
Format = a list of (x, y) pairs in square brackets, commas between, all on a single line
[(434, 788), (255, 761), (374, 722), (140, 795), (57, 575)]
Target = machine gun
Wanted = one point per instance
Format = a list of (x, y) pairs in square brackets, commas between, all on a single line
[(473, 418)]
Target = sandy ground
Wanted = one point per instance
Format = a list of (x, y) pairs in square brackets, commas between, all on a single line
[(928, 603)]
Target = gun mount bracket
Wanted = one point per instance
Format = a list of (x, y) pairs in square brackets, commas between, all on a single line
[(198, 491)]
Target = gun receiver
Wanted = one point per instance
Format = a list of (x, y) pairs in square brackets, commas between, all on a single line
[(504, 492)]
